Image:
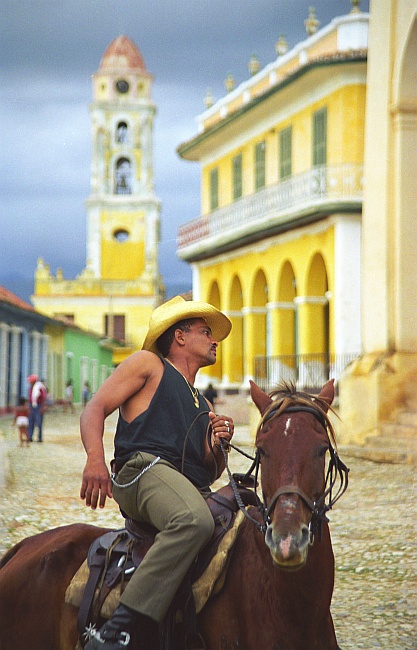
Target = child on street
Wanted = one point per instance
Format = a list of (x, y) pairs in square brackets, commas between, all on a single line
[(21, 420)]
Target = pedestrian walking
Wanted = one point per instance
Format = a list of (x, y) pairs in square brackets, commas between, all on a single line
[(69, 397), (86, 393), (211, 394)]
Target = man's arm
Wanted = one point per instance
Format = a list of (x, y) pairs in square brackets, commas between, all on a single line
[(123, 387)]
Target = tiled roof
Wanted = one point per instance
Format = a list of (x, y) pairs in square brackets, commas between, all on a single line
[(12, 299)]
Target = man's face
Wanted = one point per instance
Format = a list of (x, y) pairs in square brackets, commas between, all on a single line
[(200, 342)]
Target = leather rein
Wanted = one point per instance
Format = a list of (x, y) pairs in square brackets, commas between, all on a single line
[(336, 471)]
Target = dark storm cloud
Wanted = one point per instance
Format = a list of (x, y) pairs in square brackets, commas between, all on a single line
[(50, 49), (179, 40)]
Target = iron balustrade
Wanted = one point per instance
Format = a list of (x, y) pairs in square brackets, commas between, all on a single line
[(278, 203), (307, 371)]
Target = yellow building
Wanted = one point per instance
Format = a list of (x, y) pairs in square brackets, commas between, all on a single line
[(378, 394), (277, 244), (119, 288)]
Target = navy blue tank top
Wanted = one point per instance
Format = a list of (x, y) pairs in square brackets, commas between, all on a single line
[(161, 429)]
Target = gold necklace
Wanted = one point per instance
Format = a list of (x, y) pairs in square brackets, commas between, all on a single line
[(193, 390)]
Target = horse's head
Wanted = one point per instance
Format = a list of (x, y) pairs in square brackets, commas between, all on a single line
[(292, 441)]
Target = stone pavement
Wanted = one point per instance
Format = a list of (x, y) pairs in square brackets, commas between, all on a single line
[(374, 526)]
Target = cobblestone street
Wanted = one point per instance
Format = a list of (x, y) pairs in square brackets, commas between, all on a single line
[(374, 526)]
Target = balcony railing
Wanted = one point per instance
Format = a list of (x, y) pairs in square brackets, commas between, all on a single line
[(307, 371), (278, 204)]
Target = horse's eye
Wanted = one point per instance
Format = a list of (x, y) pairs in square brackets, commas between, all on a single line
[(322, 451)]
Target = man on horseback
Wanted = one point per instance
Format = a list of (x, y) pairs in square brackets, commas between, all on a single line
[(166, 456)]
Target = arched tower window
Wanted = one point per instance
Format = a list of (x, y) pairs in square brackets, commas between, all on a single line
[(122, 133), (123, 176)]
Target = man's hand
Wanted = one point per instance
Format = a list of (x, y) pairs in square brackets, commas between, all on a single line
[(96, 484), (222, 427)]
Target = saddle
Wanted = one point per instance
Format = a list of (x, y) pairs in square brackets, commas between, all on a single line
[(113, 558)]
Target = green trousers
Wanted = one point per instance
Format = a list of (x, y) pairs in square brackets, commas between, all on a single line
[(166, 499)]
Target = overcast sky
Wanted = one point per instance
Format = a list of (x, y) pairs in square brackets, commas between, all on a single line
[(50, 49)]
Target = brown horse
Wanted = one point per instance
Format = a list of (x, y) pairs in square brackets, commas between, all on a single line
[(279, 584)]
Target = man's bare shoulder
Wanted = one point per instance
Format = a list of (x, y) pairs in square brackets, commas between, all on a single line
[(139, 378), (142, 362), (143, 356)]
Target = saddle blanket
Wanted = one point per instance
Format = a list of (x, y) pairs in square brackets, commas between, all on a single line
[(210, 582)]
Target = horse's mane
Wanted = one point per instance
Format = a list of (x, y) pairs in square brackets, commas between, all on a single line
[(286, 395)]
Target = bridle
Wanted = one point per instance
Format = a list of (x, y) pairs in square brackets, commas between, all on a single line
[(336, 471)]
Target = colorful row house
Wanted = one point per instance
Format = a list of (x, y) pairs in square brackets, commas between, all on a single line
[(56, 351), (277, 245)]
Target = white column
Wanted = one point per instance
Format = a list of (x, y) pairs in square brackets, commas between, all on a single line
[(4, 365), (269, 329), (94, 375), (25, 360), (252, 338), (14, 366), (84, 375), (103, 375), (378, 188), (404, 293), (36, 353), (347, 285)]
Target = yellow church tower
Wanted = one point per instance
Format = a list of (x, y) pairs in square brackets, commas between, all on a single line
[(119, 288)]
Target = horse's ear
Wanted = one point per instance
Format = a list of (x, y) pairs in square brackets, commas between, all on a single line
[(327, 393), (259, 398)]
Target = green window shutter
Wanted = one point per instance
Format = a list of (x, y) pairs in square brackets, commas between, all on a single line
[(260, 150), (237, 176), (214, 189), (285, 153), (320, 137)]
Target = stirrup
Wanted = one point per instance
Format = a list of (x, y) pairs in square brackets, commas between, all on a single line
[(121, 638)]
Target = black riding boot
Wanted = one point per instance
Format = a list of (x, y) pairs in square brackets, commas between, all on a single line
[(117, 633)]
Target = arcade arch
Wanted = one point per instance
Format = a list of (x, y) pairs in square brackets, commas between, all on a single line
[(259, 321), (285, 330), (255, 322), (234, 361), (313, 310)]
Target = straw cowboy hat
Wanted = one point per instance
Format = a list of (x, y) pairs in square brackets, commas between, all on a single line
[(178, 309)]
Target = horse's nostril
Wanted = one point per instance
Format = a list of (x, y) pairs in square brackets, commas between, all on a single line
[(305, 536), (268, 537)]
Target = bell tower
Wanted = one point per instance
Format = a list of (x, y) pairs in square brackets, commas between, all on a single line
[(120, 287), (123, 211)]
